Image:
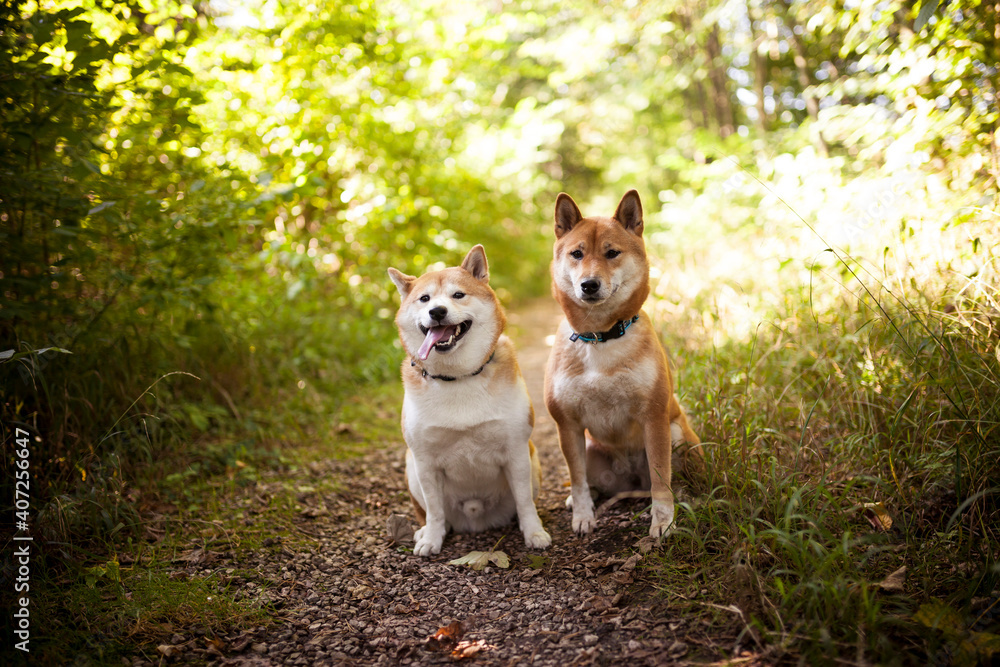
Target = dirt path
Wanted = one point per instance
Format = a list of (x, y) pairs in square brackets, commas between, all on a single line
[(355, 597)]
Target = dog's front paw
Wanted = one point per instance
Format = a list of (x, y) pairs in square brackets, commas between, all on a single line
[(663, 521), (428, 543), (659, 530), (583, 512), (537, 539), (584, 522)]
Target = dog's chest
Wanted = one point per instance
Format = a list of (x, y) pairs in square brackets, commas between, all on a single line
[(462, 420), (607, 386)]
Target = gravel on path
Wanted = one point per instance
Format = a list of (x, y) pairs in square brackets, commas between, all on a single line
[(354, 596)]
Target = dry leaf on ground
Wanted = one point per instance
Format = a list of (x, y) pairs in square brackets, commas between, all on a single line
[(399, 528), (877, 516), (167, 651), (447, 637), (894, 582), (468, 649), (477, 560)]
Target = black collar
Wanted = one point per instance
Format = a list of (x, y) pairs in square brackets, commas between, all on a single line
[(449, 378), (616, 331)]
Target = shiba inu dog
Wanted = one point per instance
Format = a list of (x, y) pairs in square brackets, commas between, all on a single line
[(607, 384), (466, 416)]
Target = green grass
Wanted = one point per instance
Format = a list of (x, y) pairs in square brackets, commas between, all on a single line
[(111, 610), (798, 444), (822, 388), (127, 592)]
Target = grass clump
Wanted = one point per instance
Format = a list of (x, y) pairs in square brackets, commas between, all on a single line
[(849, 409), (107, 611)]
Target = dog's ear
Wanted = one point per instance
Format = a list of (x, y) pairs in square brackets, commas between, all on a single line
[(402, 281), (567, 214), (629, 212), (475, 263)]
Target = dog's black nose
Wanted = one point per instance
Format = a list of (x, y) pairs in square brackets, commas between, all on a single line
[(438, 313), (590, 286)]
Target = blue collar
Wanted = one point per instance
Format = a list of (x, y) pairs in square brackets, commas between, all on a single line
[(616, 331)]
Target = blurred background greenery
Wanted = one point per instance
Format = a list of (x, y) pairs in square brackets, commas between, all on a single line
[(217, 188)]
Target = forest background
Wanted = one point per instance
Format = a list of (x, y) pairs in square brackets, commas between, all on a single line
[(199, 200)]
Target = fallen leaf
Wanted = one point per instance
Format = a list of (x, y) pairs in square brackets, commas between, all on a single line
[(646, 544), (399, 528), (597, 603), (877, 516), (314, 512), (894, 582), (240, 643), (446, 637), (361, 592), (622, 578), (630, 564), (468, 649), (536, 562), (980, 648), (939, 616), (613, 561), (166, 650), (970, 647), (677, 649), (477, 560)]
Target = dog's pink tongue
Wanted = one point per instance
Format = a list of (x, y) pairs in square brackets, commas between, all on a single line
[(434, 334)]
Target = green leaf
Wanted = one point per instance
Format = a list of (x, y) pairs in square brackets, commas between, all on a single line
[(537, 562), (92, 574), (100, 207), (91, 167), (10, 355), (41, 28), (939, 616), (927, 10)]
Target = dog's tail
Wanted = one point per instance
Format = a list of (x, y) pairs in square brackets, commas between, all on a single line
[(473, 509)]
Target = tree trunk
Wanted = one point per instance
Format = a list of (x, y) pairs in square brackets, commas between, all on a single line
[(760, 68), (798, 48), (696, 91), (717, 77)]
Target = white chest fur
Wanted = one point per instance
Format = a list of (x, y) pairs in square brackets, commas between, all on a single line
[(606, 386), (464, 428)]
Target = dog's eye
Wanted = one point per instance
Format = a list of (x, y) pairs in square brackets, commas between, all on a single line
[(576, 254), (458, 295), (611, 254), (425, 298)]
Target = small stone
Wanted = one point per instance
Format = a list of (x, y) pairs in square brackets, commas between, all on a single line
[(259, 648), (590, 640)]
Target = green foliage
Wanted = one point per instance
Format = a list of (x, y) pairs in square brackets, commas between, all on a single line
[(103, 611), (177, 199), (837, 379), (197, 209)]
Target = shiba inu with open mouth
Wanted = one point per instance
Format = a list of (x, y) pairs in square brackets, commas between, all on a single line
[(467, 417), (607, 384)]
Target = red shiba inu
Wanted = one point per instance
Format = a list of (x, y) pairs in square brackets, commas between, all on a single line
[(466, 416), (608, 385)]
